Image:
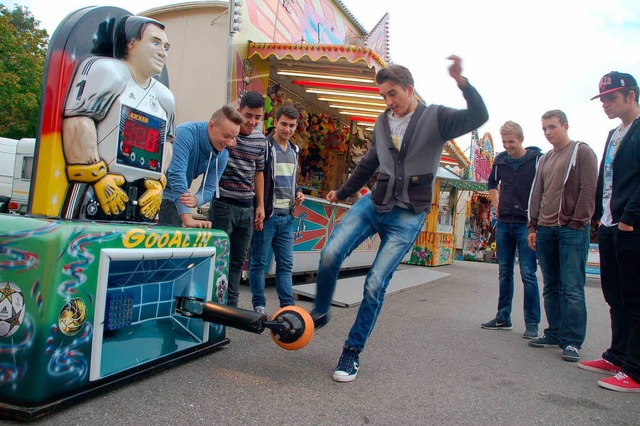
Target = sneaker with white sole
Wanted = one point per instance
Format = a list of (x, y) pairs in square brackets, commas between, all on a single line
[(570, 353), (496, 324), (599, 365), (543, 342), (348, 366), (261, 310), (621, 383)]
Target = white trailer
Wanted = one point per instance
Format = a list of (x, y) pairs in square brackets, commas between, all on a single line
[(16, 165)]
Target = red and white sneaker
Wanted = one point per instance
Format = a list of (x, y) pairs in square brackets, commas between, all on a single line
[(621, 383), (599, 365)]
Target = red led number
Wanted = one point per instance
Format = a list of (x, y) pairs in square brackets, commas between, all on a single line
[(136, 135)]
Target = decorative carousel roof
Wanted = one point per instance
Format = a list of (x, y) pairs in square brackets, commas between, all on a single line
[(318, 52), (453, 152)]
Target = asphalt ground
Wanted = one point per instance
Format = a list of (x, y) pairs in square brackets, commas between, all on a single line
[(427, 362)]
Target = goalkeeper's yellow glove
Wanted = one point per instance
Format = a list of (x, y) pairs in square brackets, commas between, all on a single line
[(150, 201), (106, 186)]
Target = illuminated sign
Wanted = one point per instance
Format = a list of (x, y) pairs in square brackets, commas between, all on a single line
[(141, 138)]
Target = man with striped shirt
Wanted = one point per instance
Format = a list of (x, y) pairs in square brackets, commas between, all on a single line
[(280, 198), (242, 180)]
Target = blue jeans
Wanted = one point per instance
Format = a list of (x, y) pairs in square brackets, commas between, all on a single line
[(562, 252), (237, 222), (509, 238), (277, 234), (398, 229)]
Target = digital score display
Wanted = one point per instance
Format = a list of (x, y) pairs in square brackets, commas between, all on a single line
[(139, 136), (141, 140)]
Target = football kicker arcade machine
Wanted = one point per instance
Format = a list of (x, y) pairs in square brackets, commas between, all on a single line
[(90, 297)]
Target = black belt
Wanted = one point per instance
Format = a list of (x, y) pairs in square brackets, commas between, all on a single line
[(236, 201)]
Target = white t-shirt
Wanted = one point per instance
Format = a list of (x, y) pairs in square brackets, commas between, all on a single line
[(398, 126), (607, 189)]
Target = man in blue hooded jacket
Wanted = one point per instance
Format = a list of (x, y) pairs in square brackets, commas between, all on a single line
[(199, 149), (513, 171)]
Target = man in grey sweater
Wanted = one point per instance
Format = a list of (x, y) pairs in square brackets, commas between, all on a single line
[(406, 147)]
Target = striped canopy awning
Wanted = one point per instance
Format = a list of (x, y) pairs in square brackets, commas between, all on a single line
[(317, 52)]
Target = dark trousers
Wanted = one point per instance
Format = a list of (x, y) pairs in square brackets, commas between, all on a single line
[(620, 278), (168, 214), (237, 222)]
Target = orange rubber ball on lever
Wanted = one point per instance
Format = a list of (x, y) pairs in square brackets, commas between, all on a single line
[(300, 327)]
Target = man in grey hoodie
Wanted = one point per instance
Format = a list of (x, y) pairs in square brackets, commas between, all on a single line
[(561, 204), (406, 147)]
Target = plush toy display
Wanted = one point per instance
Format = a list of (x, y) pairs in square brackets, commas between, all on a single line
[(320, 137)]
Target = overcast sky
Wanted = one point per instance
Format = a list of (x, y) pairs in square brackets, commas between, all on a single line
[(523, 57)]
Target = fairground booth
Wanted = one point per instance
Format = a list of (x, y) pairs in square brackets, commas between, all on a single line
[(312, 54), (436, 243), (460, 215), (479, 217)]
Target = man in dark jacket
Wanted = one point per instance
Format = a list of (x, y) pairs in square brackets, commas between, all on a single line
[(406, 147), (514, 170), (618, 214)]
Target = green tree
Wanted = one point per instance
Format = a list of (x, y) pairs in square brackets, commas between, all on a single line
[(23, 48)]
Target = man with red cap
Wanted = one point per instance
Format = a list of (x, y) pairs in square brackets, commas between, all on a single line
[(618, 216)]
